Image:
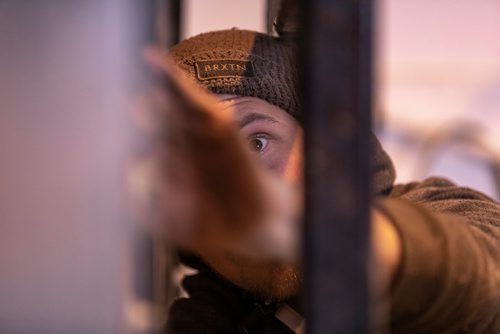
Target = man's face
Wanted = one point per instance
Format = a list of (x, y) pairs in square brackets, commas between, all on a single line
[(275, 137), (271, 133)]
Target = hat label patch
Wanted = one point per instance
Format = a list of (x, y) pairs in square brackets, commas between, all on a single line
[(227, 68)]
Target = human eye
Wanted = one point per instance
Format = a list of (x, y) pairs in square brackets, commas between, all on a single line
[(258, 143)]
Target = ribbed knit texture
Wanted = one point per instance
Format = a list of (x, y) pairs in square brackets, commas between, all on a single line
[(274, 61)]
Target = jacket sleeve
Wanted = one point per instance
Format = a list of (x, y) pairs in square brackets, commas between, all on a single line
[(449, 277)]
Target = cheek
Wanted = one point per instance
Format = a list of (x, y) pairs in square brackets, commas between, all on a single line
[(295, 162), (268, 280), (276, 161), (286, 159)]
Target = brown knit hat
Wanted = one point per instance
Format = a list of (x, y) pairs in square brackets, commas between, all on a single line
[(243, 63)]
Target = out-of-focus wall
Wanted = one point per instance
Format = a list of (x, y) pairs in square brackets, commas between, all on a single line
[(66, 73), (439, 73), (206, 15)]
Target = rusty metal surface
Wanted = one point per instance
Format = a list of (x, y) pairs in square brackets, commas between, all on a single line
[(337, 85)]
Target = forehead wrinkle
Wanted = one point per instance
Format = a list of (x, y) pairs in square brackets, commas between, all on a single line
[(253, 117), (230, 101), (247, 109)]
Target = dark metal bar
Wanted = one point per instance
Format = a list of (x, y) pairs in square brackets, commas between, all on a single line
[(337, 85), (168, 28), (272, 8), (168, 22)]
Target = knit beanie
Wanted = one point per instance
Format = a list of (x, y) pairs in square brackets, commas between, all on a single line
[(243, 63)]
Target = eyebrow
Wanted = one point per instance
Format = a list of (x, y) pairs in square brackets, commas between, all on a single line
[(252, 117)]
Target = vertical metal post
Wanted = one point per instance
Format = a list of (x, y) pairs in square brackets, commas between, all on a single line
[(337, 86), (273, 7), (168, 22), (154, 258), (168, 32)]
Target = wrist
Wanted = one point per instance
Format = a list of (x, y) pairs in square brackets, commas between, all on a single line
[(386, 250)]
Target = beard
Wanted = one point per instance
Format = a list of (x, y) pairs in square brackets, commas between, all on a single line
[(269, 280)]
